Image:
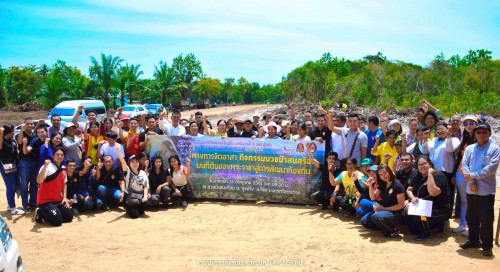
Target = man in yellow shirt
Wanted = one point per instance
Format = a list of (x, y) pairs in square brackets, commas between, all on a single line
[(387, 150)]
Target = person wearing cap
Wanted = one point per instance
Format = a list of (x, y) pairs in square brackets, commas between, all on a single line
[(109, 148), (479, 165), (220, 131), (387, 150), (364, 204), (349, 181), (441, 150), (247, 131), (125, 122), (236, 129), (272, 130), (470, 122), (71, 144), (8, 166), (255, 121), (136, 186)]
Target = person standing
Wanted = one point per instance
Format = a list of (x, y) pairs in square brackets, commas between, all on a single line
[(27, 174), (479, 165), (8, 167)]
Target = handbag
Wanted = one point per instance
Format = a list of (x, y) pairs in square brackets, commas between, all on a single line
[(343, 162), (134, 199), (9, 168)]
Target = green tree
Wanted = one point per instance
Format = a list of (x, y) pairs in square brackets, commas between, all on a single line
[(104, 74), (22, 83), (228, 88), (3, 87), (127, 81), (166, 87), (208, 88), (186, 70)]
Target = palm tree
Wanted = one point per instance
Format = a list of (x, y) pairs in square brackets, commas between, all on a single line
[(127, 81), (165, 82), (104, 74)]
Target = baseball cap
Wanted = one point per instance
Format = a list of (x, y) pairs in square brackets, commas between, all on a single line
[(124, 117)]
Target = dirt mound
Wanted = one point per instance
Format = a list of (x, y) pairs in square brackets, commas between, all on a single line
[(28, 106)]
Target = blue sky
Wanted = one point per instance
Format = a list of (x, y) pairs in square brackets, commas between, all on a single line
[(261, 40)]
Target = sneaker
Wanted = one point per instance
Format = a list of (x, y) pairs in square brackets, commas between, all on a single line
[(423, 236), (465, 233), (394, 234), (470, 244), (184, 204), (8, 208), (17, 211), (459, 229), (38, 216), (488, 252)]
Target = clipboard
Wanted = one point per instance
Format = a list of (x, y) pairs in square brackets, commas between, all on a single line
[(422, 208)]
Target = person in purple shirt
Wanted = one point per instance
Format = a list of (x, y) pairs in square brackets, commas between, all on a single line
[(479, 165)]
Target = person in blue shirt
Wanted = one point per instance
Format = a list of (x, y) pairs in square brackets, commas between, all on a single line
[(479, 165), (372, 131)]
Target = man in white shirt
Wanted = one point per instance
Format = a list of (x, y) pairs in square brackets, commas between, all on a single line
[(173, 128), (109, 148)]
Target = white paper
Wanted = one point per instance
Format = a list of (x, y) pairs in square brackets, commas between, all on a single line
[(422, 208)]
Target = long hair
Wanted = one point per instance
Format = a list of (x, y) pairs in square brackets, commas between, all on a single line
[(175, 156), (53, 136), (388, 169)]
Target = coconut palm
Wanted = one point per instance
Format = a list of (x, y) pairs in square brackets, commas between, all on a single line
[(104, 73)]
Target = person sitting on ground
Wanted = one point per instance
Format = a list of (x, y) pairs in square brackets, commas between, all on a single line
[(178, 180), (387, 209), (109, 183), (159, 188), (346, 198), (143, 162), (326, 187), (77, 192), (53, 206), (429, 184), (136, 186), (364, 204)]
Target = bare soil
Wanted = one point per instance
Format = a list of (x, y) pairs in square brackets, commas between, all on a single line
[(231, 236)]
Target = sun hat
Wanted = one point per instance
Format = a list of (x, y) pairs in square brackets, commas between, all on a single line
[(278, 128)]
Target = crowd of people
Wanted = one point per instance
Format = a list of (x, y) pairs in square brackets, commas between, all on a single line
[(373, 169)]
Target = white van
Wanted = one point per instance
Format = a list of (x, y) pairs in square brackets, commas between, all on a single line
[(67, 109), (11, 258)]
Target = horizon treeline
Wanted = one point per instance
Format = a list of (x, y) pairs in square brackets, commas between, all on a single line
[(468, 84)]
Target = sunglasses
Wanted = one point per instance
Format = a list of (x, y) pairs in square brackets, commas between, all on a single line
[(481, 132), (469, 124)]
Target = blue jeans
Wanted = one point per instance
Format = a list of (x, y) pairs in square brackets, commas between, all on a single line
[(109, 196), (365, 206), (27, 178), (384, 220), (11, 181), (461, 187)]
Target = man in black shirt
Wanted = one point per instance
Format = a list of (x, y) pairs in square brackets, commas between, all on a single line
[(26, 165), (326, 188), (109, 182), (247, 131), (32, 148), (407, 172), (322, 133)]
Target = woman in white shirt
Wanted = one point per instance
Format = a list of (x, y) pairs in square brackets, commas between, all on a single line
[(178, 180)]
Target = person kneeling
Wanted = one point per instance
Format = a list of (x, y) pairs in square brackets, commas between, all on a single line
[(136, 186), (351, 179), (52, 207)]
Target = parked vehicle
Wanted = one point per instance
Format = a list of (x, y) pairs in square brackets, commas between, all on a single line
[(168, 107), (67, 109), (181, 105), (213, 105), (203, 104), (47, 124), (133, 111), (11, 258), (155, 109)]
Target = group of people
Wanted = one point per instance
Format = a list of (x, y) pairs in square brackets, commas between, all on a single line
[(373, 169)]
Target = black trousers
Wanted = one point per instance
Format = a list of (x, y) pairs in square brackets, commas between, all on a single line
[(185, 191), (55, 213), (480, 217), (451, 192)]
